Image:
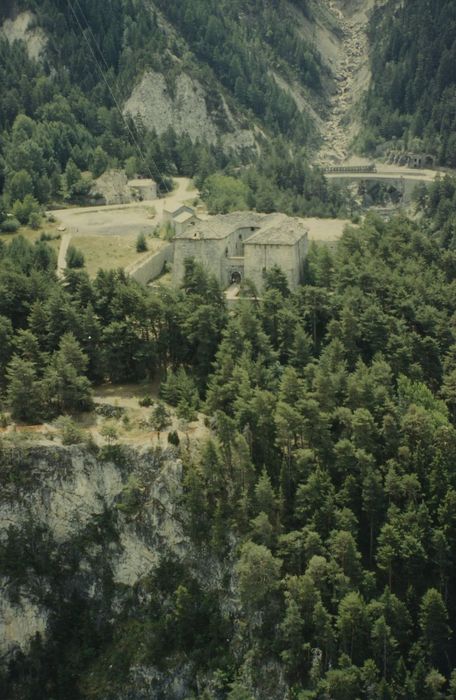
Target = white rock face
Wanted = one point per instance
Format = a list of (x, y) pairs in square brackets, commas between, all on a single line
[(19, 623), (135, 560), (66, 502), (64, 491), (185, 110), (22, 29)]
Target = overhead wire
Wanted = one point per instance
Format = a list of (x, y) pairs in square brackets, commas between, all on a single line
[(106, 81), (127, 124)]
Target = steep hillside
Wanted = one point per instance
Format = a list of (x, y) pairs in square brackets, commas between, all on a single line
[(162, 89), (352, 76), (411, 103), (80, 533), (204, 68), (305, 548)]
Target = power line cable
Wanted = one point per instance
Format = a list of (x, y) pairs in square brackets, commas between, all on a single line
[(127, 125)]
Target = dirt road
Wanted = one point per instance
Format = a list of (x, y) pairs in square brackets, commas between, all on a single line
[(119, 219)]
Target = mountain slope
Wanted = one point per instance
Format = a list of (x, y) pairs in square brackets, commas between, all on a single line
[(411, 103), (231, 52), (158, 88)]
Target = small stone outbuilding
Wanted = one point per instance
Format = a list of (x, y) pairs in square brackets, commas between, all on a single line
[(143, 190)]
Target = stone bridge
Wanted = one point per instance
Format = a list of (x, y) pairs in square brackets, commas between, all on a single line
[(404, 180)]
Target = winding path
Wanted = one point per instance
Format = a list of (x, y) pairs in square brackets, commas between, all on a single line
[(61, 262)]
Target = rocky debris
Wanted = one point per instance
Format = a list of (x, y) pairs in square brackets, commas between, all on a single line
[(184, 108), (338, 131)]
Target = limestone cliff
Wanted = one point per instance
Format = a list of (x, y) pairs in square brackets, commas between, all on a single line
[(78, 524), (185, 109)]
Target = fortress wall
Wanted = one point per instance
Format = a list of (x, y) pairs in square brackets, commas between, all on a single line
[(289, 258), (151, 267), (210, 253)]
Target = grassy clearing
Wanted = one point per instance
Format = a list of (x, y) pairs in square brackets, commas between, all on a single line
[(133, 427), (34, 235), (111, 252)]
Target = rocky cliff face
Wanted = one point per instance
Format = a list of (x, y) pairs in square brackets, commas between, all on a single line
[(185, 93), (185, 109), (68, 514)]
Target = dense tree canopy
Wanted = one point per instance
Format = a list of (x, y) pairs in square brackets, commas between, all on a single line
[(328, 485), (412, 98)]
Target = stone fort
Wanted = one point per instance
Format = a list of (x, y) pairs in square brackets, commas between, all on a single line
[(242, 245)]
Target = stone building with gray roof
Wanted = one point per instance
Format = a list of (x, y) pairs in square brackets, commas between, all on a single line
[(243, 245)]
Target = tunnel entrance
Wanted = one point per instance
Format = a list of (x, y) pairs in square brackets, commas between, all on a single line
[(236, 277)]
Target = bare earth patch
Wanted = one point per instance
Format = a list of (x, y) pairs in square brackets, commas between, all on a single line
[(326, 230)]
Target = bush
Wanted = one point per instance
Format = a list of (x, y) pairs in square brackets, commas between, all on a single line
[(74, 257), (173, 438), (131, 496), (109, 411), (118, 454), (141, 244), (186, 411), (70, 433), (23, 209), (10, 225), (126, 422), (46, 236), (160, 418), (4, 420), (168, 231), (146, 402), (34, 220), (109, 432)]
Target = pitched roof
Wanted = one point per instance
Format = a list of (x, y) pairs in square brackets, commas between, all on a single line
[(141, 183), (183, 217), (286, 232), (175, 212), (222, 225)]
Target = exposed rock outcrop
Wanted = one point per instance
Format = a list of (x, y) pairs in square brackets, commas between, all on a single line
[(23, 28), (185, 109), (115, 512)]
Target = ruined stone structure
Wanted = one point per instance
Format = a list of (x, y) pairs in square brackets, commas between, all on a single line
[(143, 189), (411, 160), (243, 245)]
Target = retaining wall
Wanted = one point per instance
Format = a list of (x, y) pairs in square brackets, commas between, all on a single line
[(152, 267)]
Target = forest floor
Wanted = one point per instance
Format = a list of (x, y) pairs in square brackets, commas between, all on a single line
[(129, 424)]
